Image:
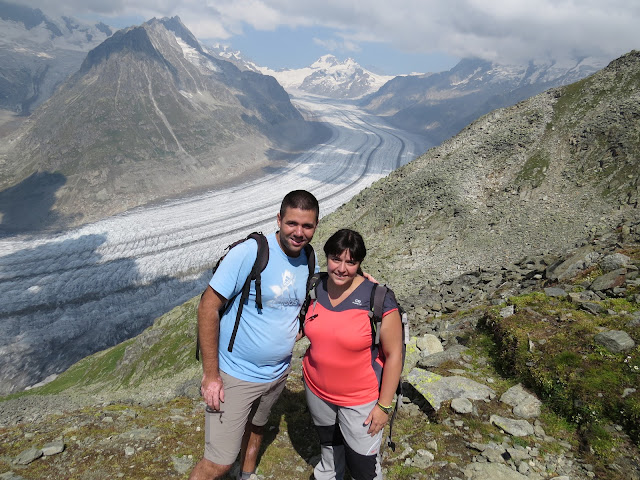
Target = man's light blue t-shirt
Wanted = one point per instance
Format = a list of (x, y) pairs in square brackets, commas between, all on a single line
[(264, 341)]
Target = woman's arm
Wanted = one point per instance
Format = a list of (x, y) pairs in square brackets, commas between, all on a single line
[(391, 344)]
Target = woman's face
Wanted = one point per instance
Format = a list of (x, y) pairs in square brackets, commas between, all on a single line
[(342, 268)]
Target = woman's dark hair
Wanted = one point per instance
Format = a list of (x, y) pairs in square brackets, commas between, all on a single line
[(346, 239)]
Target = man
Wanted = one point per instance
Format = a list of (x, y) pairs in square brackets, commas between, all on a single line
[(241, 386)]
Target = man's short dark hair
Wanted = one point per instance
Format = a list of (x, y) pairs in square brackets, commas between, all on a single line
[(300, 199)]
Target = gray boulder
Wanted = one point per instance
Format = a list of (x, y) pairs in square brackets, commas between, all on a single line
[(53, 448), (614, 261), (436, 389), (429, 344), (525, 405), (508, 311), (583, 258), (593, 308), (494, 471), (555, 292), (462, 405), (453, 353), (10, 476), (609, 280), (516, 428), (615, 341), (28, 456)]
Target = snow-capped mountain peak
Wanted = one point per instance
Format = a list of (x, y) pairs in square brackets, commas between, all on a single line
[(325, 61), (329, 77)]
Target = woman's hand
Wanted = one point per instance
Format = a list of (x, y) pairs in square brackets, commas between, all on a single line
[(376, 420)]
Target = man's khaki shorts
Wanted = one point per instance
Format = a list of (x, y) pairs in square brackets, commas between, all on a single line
[(243, 402)]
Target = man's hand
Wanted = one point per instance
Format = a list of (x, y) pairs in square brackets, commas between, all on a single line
[(369, 277), (212, 390)]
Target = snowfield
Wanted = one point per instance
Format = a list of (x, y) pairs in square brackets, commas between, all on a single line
[(69, 295)]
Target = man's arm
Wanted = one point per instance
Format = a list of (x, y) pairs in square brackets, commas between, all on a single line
[(212, 388)]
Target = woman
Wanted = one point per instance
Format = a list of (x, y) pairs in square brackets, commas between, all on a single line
[(348, 405)]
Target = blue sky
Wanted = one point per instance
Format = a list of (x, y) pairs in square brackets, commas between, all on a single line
[(391, 37), (299, 47)]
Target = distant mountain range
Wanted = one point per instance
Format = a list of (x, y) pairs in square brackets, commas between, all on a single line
[(38, 53), (141, 113), (326, 77), (148, 115), (439, 105)]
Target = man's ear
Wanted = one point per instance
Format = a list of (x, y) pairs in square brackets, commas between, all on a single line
[(278, 219)]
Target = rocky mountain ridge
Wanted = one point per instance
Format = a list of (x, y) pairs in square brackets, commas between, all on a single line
[(439, 105)]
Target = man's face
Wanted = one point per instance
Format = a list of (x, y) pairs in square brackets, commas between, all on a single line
[(296, 230)]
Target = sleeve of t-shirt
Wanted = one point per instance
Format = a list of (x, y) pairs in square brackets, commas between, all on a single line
[(234, 269), (390, 303)]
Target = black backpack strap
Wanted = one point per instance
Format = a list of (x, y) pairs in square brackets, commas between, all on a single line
[(312, 281), (311, 262), (376, 310), (312, 285), (245, 294), (260, 264)]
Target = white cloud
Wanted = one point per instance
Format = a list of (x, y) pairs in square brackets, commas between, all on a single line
[(500, 29), (337, 45)]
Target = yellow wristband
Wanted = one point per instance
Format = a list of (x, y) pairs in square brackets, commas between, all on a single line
[(386, 410)]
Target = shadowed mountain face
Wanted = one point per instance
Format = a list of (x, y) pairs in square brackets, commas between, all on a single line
[(439, 105), (526, 180), (27, 206), (150, 115), (38, 53)]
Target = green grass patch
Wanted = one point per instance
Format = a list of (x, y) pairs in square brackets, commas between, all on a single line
[(549, 346), (534, 170)]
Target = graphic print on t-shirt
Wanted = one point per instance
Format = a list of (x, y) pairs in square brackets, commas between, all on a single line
[(283, 293)]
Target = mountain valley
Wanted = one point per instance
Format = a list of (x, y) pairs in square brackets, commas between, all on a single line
[(148, 116)]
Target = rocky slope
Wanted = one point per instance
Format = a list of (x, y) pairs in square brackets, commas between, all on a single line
[(439, 105), (149, 115), (528, 179)]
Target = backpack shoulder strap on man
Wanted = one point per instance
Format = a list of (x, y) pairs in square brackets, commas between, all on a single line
[(311, 262), (262, 258)]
